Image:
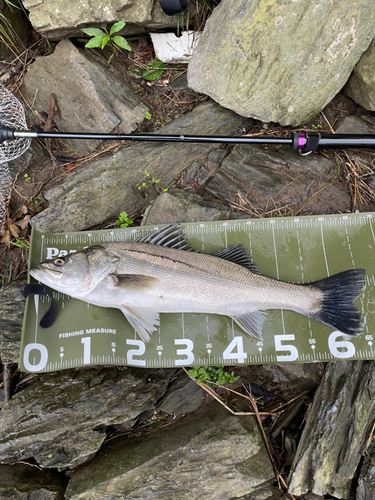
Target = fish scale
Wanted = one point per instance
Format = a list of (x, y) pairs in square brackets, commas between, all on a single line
[(296, 249)]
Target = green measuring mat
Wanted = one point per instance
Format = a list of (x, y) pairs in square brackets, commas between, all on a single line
[(294, 249)]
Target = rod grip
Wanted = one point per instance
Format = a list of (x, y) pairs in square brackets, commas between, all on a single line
[(6, 133)]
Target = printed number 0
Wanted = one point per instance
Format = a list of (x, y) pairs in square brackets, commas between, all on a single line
[(333, 344), (43, 357), (285, 347)]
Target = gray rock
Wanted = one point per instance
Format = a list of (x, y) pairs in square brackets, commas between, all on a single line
[(281, 381), (56, 19), (26, 482), (60, 419), (211, 454), (12, 306), (184, 396), (89, 97), (167, 208), (270, 179), (280, 62), (356, 125), (366, 480), (361, 84), (108, 186), (336, 431)]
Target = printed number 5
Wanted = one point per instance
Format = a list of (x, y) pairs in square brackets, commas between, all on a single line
[(286, 347)]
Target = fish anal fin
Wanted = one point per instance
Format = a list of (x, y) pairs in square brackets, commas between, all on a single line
[(143, 320), (251, 322), (133, 282), (239, 255)]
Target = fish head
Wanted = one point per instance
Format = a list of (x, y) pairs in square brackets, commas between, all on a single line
[(77, 273)]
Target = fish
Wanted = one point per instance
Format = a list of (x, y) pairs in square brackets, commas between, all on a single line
[(162, 273)]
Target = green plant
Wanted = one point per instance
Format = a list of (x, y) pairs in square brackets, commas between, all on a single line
[(149, 178), (26, 177), (180, 23), (123, 220), (315, 127), (153, 70), (148, 116), (6, 29), (103, 38), (21, 244), (212, 374)]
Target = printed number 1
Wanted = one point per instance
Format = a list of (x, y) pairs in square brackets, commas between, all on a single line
[(86, 341)]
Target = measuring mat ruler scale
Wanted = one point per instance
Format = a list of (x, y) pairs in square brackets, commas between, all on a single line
[(297, 250)]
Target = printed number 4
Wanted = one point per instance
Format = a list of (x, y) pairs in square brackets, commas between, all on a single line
[(240, 355)]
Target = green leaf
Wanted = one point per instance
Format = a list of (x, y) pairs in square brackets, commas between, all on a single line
[(105, 40), (94, 42), (121, 42), (93, 31), (153, 71), (117, 27)]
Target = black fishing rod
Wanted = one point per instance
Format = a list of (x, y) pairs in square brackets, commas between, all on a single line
[(303, 142)]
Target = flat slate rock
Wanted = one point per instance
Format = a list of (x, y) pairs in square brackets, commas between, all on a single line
[(181, 208), (12, 306), (60, 419), (26, 482), (336, 432), (107, 187), (265, 179), (210, 454)]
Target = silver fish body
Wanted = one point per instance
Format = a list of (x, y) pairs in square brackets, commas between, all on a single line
[(145, 279)]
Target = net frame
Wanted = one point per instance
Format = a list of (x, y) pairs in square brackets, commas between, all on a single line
[(11, 115)]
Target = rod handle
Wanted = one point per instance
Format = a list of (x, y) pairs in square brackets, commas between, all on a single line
[(6, 133)]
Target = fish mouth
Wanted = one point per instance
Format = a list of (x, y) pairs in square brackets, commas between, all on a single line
[(39, 272)]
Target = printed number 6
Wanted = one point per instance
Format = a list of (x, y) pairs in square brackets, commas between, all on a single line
[(333, 344), (284, 347)]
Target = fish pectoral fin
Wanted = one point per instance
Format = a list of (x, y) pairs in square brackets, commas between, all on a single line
[(133, 282), (143, 320), (251, 322)]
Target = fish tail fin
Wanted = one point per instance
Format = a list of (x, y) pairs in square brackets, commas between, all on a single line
[(338, 310)]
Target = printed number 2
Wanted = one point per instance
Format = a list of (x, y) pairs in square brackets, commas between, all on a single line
[(286, 347), (135, 352)]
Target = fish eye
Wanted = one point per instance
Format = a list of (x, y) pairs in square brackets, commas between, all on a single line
[(59, 262)]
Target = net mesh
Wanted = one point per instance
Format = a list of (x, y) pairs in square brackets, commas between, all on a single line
[(11, 115)]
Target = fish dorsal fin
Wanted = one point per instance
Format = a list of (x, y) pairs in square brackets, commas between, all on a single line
[(171, 236), (239, 255), (251, 322)]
